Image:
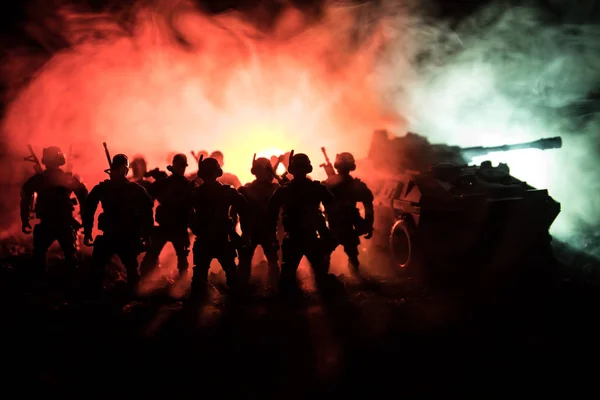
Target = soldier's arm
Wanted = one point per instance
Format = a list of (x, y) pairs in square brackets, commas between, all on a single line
[(275, 204), (90, 206), (81, 192), (326, 198), (240, 206), (155, 188), (367, 199), (146, 205), (236, 182), (29, 188)]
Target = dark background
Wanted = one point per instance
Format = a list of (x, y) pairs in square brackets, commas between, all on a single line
[(530, 341)]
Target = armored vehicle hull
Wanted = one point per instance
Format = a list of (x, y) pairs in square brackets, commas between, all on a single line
[(451, 218)]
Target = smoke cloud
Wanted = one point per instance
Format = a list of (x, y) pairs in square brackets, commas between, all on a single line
[(164, 77)]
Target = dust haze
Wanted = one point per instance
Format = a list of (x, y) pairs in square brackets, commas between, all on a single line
[(164, 77)]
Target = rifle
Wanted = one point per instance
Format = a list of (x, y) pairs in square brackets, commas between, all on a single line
[(283, 179), (156, 174), (196, 157), (329, 170), (33, 158), (108, 158)]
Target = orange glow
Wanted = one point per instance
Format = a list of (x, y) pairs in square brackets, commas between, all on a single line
[(236, 89), (280, 169)]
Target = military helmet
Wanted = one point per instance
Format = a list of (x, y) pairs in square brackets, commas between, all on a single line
[(139, 166), (344, 161), (218, 155), (261, 163), (179, 159), (209, 167), (53, 156), (120, 160), (300, 164)]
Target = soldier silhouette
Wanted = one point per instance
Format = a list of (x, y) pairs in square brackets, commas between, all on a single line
[(344, 217), (54, 208), (212, 225), (226, 178), (126, 222), (303, 222), (257, 194), (172, 215), (139, 168), (201, 155)]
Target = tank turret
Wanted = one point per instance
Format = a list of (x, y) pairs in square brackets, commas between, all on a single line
[(414, 152), (432, 209)]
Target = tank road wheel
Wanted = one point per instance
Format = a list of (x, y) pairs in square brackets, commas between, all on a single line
[(403, 245)]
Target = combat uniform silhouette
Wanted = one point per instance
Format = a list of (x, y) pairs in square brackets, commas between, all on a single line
[(303, 222), (212, 225), (226, 178), (257, 194), (126, 221), (54, 208), (174, 196), (344, 217), (139, 167)]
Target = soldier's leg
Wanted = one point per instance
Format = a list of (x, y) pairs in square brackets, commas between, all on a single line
[(202, 258), (318, 257), (181, 244), (42, 240), (226, 257), (129, 259), (271, 253), (68, 243), (150, 260), (245, 262), (351, 250), (291, 254), (101, 256)]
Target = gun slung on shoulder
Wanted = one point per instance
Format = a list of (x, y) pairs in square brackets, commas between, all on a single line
[(329, 170), (107, 158), (33, 158)]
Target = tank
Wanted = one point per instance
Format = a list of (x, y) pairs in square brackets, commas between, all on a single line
[(435, 213)]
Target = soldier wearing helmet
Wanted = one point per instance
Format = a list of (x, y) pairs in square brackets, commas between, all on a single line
[(126, 222), (303, 222), (54, 209), (139, 169), (174, 195), (213, 226), (344, 217), (257, 194), (226, 178)]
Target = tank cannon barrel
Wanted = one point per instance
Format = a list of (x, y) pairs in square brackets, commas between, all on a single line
[(542, 144)]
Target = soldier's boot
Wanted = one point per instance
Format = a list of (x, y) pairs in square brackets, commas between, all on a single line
[(231, 278), (182, 267), (148, 265), (199, 284), (133, 280), (353, 263), (38, 265), (288, 283), (273, 272)]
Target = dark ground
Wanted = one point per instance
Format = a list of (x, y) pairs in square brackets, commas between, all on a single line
[(387, 338)]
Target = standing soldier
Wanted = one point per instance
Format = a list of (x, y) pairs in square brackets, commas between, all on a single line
[(212, 225), (303, 222), (343, 217), (139, 167), (172, 215), (257, 194), (54, 208), (226, 178), (126, 222)]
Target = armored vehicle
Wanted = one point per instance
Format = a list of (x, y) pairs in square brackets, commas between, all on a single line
[(436, 213)]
